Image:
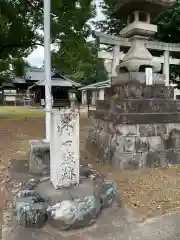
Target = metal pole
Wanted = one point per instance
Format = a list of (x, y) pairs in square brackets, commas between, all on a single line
[(47, 65)]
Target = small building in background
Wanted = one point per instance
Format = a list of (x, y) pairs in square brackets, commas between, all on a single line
[(93, 92), (34, 82), (8, 94), (97, 91)]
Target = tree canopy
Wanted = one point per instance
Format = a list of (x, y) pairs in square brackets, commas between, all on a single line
[(21, 23), (168, 22), (85, 68), (76, 57)]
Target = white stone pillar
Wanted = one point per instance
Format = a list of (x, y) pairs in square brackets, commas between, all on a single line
[(84, 97), (101, 94), (148, 17), (166, 67), (116, 58), (93, 98), (136, 16), (64, 148)]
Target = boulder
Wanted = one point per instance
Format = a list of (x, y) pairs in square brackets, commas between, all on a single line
[(105, 191), (75, 214), (30, 209)]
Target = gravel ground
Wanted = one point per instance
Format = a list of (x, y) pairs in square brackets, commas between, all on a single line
[(148, 192)]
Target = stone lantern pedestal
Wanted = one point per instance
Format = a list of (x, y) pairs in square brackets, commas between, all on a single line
[(141, 128)]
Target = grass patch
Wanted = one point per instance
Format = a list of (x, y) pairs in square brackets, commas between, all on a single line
[(14, 113)]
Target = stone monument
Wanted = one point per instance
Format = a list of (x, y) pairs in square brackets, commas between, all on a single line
[(74, 195), (64, 148), (137, 124)]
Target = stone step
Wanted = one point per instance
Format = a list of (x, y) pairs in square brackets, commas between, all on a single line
[(139, 105), (136, 118), (140, 91)]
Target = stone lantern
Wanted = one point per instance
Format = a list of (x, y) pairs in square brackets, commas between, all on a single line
[(140, 126), (138, 14)]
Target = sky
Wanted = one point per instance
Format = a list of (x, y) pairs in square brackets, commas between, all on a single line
[(36, 58)]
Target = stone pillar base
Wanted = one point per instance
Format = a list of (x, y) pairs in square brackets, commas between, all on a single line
[(132, 146), (39, 161)]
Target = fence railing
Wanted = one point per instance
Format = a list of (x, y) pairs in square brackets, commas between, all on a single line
[(17, 99)]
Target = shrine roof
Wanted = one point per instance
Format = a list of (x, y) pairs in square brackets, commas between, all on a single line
[(37, 75), (102, 84)]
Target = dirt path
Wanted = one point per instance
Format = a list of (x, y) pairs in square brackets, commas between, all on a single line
[(13, 134)]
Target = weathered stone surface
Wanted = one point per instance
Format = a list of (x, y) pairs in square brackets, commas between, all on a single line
[(173, 140), (172, 126), (139, 105), (104, 138), (123, 160), (112, 127), (72, 214), (31, 210), (66, 208), (147, 130), (75, 214), (139, 145), (105, 192), (155, 143), (173, 156), (127, 130), (30, 184), (133, 76), (161, 129), (128, 144), (84, 171), (132, 118), (30, 194), (39, 157), (155, 159), (140, 91)]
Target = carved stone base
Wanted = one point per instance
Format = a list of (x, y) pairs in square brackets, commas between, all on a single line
[(134, 145), (67, 208), (135, 90), (39, 161), (139, 77)]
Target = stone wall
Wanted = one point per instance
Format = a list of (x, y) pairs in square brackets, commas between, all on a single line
[(134, 90), (134, 145)]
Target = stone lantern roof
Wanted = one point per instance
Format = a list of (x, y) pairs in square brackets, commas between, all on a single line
[(125, 7)]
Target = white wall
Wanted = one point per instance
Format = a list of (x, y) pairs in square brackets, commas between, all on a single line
[(84, 97), (176, 92), (101, 94)]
